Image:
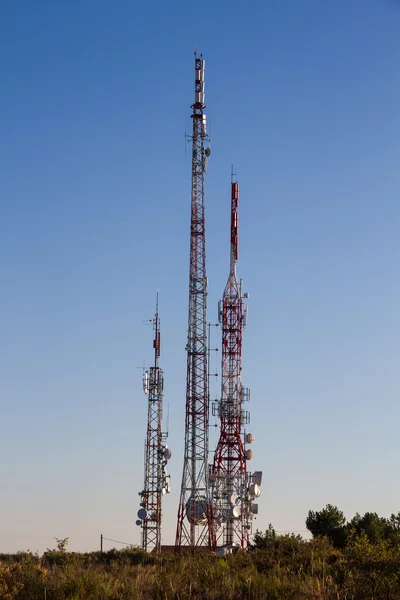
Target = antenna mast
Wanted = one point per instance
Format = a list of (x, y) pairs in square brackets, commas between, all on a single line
[(232, 487), (194, 527), (157, 453)]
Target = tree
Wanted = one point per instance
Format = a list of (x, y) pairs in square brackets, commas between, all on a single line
[(329, 521), (264, 540), (375, 527), (393, 528)]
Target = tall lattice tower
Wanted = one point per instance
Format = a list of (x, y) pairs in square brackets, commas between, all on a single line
[(157, 453), (194, 514), (233, 488)]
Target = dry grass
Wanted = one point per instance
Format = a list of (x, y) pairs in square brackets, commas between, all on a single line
[(290, 569)]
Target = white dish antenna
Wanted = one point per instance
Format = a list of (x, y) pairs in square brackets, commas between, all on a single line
[(236, 511), (138, 522), (232, 498), (254, 490)]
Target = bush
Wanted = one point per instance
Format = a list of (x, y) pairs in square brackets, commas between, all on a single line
[(287, 568)]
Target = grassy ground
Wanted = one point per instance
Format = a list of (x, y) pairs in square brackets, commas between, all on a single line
[(289, 569)]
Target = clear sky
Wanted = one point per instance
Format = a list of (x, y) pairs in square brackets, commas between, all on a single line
[(303, 98)]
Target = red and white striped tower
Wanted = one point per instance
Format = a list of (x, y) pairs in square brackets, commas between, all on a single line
[(194, 515), (232, 488)]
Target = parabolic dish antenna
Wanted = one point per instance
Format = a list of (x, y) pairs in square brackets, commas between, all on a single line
[(196, 510), (254, 490), (142, 513), (236, 511), (233, 497)]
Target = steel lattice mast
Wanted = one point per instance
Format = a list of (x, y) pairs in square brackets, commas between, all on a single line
[(232, 487), (157, 453), (194, 514)]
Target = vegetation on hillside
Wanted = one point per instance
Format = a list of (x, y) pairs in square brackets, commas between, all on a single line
[(361, 562), (330, 521)]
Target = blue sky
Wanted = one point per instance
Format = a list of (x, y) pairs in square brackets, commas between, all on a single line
[(303, 98)]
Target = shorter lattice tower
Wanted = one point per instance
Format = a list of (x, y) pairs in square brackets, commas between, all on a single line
[(157, 453)]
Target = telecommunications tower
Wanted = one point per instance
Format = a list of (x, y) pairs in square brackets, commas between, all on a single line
[(194, 527), (233, 488), (157, 453)]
